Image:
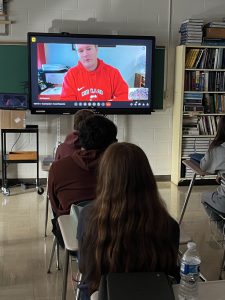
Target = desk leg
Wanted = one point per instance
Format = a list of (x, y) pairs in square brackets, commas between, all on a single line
[(65, 274), (187, 198), (46, 213)]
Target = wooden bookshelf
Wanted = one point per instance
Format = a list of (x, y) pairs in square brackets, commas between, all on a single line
[(199, 101)]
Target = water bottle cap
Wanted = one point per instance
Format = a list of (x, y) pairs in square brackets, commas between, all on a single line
[(191, 245)]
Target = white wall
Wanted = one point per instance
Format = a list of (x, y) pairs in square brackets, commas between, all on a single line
[(144, 17)]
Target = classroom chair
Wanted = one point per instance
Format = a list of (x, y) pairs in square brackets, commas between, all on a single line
[(68, 226)]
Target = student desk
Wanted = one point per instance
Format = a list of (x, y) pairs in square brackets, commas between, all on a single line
[(197, 171), (209, 290)]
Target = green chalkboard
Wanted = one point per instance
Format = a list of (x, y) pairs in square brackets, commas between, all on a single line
[(14, 71)]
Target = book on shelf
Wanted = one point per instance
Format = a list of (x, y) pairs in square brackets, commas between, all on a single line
[(192, 102), (1, 7), (188, 131), (213, 41), (208, 103), (194, 108), (198, 58), (193, 21), (195, 99), (195, 81), (214, 124), (191, 35), (191, 56), (215, 24), (190, 28), (214, 32), (191, 39), (190, 43), (189, 95)]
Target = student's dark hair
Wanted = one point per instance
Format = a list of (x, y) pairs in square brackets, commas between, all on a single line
[(80, 116), (220, 135), (97, 132), (132, 224)]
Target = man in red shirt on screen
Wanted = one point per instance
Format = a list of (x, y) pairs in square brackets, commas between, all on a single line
[(92, 79)]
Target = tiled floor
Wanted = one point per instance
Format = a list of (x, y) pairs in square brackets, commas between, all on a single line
[(24, 252)]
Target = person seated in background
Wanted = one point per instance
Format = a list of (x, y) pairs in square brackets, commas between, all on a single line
[(214, 163), (127, 228), (71, 141), (72, 179)]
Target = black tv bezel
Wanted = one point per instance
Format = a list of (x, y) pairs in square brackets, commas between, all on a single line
[(107, 111)]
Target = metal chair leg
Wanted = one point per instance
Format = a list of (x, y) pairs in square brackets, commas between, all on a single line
[(65, 274), (54, 246), (202, 277), (57, 255), (78, 278), (222, 266), (46, 213)]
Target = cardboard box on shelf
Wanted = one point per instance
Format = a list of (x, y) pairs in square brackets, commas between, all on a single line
[(12, 119)]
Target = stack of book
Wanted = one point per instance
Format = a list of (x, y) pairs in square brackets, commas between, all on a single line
[(214, 33), (191, 31), (190, 125), (198, 144), (1, 7), (193, 102)]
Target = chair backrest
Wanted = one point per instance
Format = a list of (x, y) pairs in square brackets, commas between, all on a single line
[(75, 210), (135, 286)]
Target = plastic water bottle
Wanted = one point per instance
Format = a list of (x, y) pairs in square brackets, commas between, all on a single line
[(189, 272)]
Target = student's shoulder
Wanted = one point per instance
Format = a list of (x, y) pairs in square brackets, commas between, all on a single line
[(60, 162)]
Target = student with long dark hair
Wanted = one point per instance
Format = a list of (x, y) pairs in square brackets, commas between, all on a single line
[(214, 162), (127, 228)]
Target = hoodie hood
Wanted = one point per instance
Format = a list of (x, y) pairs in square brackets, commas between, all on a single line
[(87, 159), (72, 138)]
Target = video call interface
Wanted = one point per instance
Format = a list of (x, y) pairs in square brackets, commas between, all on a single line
[(53, 57)]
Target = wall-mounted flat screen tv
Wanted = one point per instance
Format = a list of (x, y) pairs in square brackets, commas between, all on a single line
[(109, 73)]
